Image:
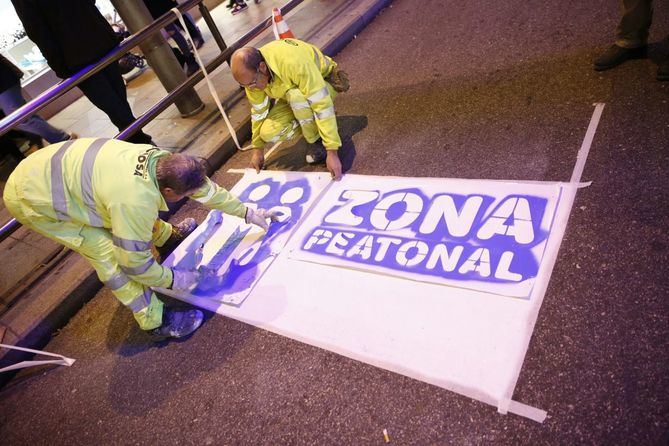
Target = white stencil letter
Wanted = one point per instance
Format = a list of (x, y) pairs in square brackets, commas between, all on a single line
[(480, 256), (457, 224), (414, 206), (521, 228), (344, 215)]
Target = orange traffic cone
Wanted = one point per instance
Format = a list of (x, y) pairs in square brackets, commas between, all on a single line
[(280, 28)]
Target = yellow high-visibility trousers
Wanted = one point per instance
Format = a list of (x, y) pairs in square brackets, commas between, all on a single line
[(96, 246), (287, 120)]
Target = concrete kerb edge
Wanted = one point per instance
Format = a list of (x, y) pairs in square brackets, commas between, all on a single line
[(40, 333)]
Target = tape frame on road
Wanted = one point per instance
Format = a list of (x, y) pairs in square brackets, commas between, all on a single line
[(63, 360), (506, 404)]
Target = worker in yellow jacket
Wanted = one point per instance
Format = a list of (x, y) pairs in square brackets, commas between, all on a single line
[(290, 85), (101, 198)]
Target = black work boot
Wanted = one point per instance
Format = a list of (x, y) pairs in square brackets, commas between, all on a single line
[(616, 55), (179, 233), (663, 70), (177, 324), (316, 153)]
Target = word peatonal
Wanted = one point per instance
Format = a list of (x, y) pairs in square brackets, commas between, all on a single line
[(473, 237)]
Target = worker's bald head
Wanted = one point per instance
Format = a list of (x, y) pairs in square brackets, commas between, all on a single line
[(180, 173), (245, 63), (245, 59)]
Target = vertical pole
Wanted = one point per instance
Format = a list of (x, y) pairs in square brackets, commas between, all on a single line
[(206, 15), (158, 53)]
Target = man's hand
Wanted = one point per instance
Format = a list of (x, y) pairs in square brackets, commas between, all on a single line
[(333, 164), (259, 217), (258, 159), (184, 279)]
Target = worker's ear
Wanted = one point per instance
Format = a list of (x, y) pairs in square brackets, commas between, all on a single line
[(168, 193)]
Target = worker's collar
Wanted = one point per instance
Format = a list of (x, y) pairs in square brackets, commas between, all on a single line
[(153, 160), (163, 204), (271, 74)]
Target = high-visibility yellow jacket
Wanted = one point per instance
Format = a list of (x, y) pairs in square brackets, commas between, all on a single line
[(109, 184), (296, 64)]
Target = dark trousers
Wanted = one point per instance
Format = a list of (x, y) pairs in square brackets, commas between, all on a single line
[(632, 32), (194, 31), (9, 147), (106, 90), (9, 142)]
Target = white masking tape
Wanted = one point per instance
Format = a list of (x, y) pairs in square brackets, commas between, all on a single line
[(210, 85), (63, 360)]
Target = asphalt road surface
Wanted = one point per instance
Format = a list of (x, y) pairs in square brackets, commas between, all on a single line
[(478, 89)]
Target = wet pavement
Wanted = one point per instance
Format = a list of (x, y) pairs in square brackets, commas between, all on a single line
[(443, 89)]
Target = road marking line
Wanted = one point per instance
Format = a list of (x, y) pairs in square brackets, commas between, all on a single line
[(506, 404)]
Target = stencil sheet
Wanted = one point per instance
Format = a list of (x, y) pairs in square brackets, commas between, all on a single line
[(437, 279)]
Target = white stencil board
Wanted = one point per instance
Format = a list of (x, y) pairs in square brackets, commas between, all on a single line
[(469, 341)]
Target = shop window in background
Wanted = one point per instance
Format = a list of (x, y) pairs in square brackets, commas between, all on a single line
[(18, 48)]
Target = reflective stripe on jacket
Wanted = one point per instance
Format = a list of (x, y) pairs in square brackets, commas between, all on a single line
[(296, 64), (110, 184)]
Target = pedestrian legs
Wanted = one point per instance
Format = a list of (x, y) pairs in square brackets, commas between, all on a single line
[(180, 40), (193, 29), (106, 90), (12, 99), (632, 32)]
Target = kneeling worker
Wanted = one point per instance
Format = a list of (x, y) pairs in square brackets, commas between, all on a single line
[(302, 82), (101, 197)]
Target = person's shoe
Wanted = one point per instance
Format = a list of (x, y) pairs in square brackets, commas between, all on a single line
[(177, 324), (191, 68), (199, 41), (72, 136), (179, 234), (663, 70), (239, 8), (316, 153), (615, 55), (132, 74)]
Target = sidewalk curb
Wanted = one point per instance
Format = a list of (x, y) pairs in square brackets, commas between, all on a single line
[(50, 316)]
